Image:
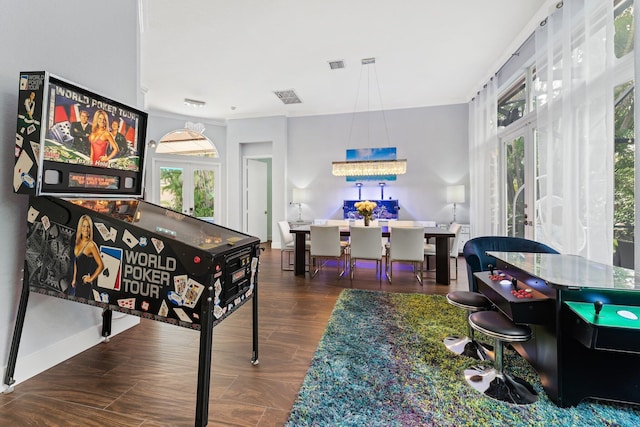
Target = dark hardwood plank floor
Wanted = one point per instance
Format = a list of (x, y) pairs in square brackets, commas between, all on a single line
[(146, 376)]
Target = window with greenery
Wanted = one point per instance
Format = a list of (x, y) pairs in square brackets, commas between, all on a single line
[(624, 164), (624, 27), (171, 186), (512, 105), (624, 147), (515, 208), (203, 193)]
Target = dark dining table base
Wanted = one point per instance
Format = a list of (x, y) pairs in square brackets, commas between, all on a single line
[(442, 237)]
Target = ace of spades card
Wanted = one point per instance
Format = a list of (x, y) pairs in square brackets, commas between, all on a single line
[(109, 278)]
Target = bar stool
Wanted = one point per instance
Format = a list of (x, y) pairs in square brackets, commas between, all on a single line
[(494, 382), (468, 346)]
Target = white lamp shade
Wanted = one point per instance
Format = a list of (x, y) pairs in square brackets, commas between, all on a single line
[(455, 194), (298, 195)]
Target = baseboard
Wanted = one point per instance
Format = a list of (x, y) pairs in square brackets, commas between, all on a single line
[(41, 360)]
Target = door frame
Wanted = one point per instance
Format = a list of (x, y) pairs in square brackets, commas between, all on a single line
[(246, 195), (189, 164)]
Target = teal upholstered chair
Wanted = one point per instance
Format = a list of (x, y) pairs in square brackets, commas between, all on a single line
[(475, 252)]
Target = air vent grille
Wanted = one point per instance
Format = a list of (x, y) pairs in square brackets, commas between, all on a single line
[(288, 96), (336, 65)]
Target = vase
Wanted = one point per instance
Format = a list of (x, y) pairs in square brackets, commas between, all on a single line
[(366, 221)]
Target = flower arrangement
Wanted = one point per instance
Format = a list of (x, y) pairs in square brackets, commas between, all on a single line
[(365, 209)]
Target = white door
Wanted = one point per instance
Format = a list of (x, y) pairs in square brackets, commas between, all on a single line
[(518, 177), (256, 199), (189, 187)]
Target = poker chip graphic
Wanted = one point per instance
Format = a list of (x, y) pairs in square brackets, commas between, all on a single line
[(175, 298)]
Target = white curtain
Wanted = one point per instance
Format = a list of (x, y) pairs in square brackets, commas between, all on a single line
[(574, 104), (483, 162)]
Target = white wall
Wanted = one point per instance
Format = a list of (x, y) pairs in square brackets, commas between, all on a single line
[(94, 44), (241, 134), (434, 140)]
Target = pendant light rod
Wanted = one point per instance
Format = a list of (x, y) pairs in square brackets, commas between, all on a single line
[(369, 167)]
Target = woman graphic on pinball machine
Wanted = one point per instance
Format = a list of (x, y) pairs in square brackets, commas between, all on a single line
[(87, 263), (100, 138)]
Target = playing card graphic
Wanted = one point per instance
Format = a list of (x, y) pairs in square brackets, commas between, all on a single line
[(164, 309), (32, 214), (109, 278), (218, 312), (158, 244), (129, 239), (180, 283), (127, 303), (21, 169), (107, 234), (192, 293), (182, 315)]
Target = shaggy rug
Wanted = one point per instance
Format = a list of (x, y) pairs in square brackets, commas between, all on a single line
[(381, 362)]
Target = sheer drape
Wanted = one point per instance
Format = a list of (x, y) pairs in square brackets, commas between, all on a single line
[(483, 162), (574, 104)]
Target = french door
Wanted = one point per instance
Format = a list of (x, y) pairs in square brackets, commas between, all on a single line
[(190, 187), (519, 182)]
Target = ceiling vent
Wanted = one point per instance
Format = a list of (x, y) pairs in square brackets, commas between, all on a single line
[(288, 96), (336, 65)]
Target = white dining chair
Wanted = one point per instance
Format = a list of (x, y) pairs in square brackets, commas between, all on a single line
[(325, 243), (406, 245), (339, 222), (396, 223), (430, 248), (365, 245), (287, 245), (343, 224)]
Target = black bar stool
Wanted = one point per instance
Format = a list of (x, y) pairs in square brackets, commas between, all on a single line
[(468, 346), (494, 382)]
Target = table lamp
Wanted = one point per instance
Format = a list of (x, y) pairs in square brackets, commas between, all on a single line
[(297, 198), (455, 194)]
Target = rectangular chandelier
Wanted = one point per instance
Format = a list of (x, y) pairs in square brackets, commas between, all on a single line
[(370, 167)]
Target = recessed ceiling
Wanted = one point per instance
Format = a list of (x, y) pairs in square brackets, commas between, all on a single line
[(238, 52)]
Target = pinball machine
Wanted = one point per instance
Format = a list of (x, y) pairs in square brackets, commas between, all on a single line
[(91, 238)]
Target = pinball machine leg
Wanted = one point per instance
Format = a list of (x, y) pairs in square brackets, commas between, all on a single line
[(17, 334), (254, 357), (204, 368), (107, 315)]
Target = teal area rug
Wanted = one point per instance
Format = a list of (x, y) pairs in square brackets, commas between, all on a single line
[(381, 362)]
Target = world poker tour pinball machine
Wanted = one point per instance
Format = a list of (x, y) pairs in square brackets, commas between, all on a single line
[(91, 239)]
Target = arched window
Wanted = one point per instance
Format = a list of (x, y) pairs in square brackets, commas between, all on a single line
[(189, 141)]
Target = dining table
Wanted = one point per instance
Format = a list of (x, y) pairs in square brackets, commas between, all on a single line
[(442, 238)]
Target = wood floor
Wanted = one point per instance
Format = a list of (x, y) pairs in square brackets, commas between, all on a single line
[(146, 376)]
